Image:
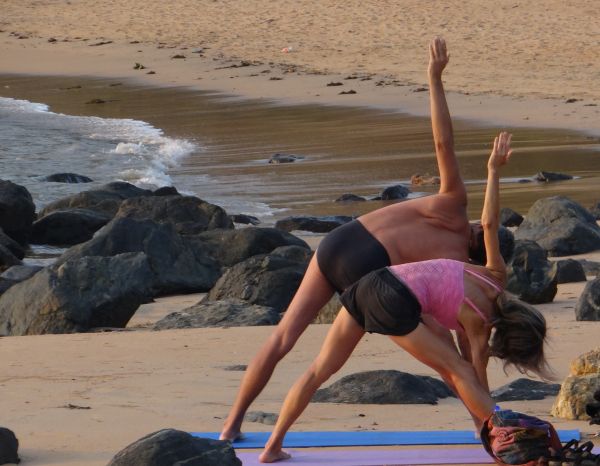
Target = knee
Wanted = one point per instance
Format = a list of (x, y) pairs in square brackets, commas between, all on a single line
[(282, 341), (458, 371)]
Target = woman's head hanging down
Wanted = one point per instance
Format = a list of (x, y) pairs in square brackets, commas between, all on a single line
[(417, 305)]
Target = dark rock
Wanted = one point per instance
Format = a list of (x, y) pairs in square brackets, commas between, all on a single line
[(549, 176), (77, 295), (570, 271), (530, 275), (67, 178), (269, 419), (314, 224), (592, 409), (350, 198), (68, 227), (15, 248), (525, 389), (506, 241), (266, 279), (351, 91), (244, 219), (588, 305), (329, 312), (19, 273), (7, 259), (232, 246), (560, 226), (595, 210), (166, 191), (226, 313), (178, 264), (236, 367), (510, 218), (106, 199), (285, 158), (590, 267), (5, 284), (384, 387), (189, 214), (395, 192), (9, 446), (170, 447), (17, 211)]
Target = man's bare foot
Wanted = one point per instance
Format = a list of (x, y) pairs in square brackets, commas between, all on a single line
[(268, 456), (231, 435)]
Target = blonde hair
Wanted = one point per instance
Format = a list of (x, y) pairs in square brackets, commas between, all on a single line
[(519, 336)]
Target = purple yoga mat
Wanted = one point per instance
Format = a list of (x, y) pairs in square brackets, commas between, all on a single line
[(376, 457), (379, 457)]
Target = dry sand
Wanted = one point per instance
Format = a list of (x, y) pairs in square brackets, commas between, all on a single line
[(516, 63)]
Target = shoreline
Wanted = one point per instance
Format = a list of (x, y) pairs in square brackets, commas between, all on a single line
[(287, 84)]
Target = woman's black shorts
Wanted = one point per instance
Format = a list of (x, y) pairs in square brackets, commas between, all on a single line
[(348, 253), (381, 303)]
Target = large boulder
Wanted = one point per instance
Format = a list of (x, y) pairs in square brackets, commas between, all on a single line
[(7, 259), (525, 389), (587, 363), (575, 393), (561, 226), (68, 227), (595, 210), (105, 199), (188, 214), (15, 248), (170, 447), (578, 389), (588, 305), (232, 246), (510, 218), (17, 211), (226, 313), (19, 273), (178, 265), (314, 224), (570, 271), (530, 275), (77, 295), (9, 446), (267, 279), (329, 312), (396, 192), (384, 387), (72, 178)]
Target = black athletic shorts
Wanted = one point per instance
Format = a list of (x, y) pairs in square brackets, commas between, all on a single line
[(348, 253), (381, 303)]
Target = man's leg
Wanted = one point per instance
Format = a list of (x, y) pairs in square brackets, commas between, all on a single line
[(438, 354), (341, 340), (314, 292)]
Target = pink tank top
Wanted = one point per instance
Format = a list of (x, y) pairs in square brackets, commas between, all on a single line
[(438, 285)]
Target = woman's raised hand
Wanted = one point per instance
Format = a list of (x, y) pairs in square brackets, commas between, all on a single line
[(501, 152)]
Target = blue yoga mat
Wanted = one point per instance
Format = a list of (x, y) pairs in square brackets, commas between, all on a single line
[(367, 438)]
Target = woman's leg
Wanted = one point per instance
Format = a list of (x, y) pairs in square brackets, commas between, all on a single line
[(438, 354), (314, 292), (341, 340)]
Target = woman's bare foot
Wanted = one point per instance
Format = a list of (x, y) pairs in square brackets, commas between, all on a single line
[(231, 435), (269, 456)]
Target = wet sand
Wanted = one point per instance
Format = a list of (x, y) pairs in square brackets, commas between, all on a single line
[(345, 149)]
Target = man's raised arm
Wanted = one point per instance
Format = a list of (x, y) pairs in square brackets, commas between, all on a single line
[(443, 137)]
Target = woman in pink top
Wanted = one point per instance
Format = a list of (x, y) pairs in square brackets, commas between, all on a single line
[(417, 304)]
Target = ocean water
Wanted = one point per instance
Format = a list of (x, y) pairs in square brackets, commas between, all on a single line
[(217, 148), (35, 142)]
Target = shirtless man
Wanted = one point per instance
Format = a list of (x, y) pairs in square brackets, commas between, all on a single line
[(419, 229)]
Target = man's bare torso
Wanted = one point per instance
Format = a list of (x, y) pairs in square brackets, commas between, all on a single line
[(431, 227)]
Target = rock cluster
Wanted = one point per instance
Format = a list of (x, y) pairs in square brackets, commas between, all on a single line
[(577, 391)]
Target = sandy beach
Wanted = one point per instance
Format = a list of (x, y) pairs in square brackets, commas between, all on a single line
[(78, 399)]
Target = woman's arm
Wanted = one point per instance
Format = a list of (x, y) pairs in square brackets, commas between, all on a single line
[(491, 206)]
